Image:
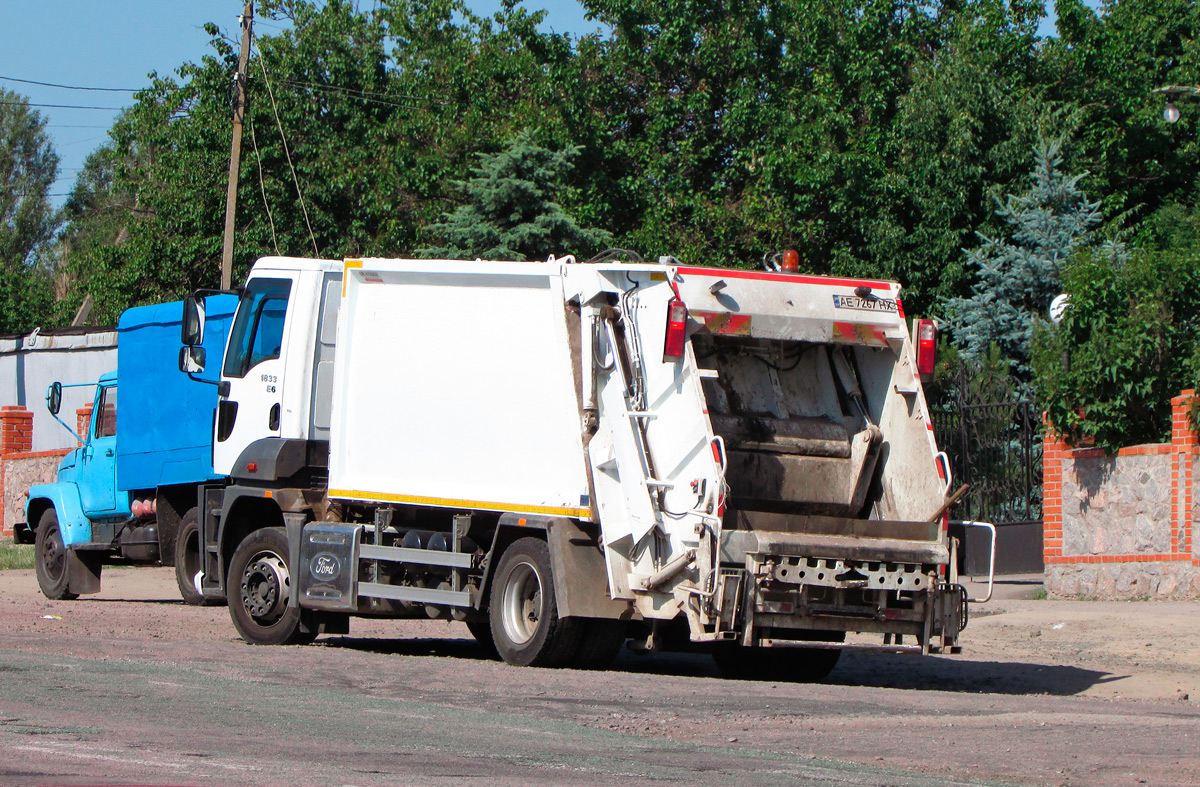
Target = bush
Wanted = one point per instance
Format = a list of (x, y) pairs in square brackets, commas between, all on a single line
[(1128, 342)]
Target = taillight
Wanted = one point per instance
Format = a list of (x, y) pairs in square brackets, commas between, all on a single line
[(926, 346), (677, 314)]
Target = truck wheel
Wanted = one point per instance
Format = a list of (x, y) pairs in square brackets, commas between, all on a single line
[(187, 561), (258, 587), (523, 611), (599, 643), (780, 664), (52, 559), (481, 630)]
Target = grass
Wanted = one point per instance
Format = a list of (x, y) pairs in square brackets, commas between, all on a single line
[(1041, 595), (14, 555)]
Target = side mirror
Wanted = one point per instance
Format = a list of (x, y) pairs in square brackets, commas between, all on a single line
[(191, 360), (54, 398), (192, 332)]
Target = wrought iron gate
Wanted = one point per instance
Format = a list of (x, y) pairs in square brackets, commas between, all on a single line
[(996, 449)]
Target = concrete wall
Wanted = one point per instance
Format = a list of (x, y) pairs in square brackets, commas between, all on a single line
[(1120, 527), (28, 364)]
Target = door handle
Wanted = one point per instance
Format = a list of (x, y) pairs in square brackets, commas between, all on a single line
[(108, 452)]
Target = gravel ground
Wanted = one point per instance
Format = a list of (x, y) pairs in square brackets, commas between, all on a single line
[(1045, 692)]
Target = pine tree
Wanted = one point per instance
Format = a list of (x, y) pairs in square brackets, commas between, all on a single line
[(1017, 277), (510, 213)]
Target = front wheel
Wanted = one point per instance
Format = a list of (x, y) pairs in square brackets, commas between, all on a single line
[(52, 559), (187, 561), (259, 590), (523, 611)]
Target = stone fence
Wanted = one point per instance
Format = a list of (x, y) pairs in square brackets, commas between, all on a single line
[(1120, 527)]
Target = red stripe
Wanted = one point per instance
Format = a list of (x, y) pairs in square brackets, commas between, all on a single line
[(899, 307), (789, 278), (736, 323)]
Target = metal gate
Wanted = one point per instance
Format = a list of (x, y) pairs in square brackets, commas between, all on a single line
[(996, 449)]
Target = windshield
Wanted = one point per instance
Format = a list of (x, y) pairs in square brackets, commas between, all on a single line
[(258, 330)]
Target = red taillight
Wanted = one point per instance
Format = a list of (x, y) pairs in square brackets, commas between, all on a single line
[(677, 314), (926, 346)]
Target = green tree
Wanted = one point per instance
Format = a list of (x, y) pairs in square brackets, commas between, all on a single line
[(1018, 276), (511, 212), (28, 167), (1128, 342)]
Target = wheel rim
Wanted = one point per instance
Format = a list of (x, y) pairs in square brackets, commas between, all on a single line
[(522, 604), (265, 584), (54, 557), (191, 560)]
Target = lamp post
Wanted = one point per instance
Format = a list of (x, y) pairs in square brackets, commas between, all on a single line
[(1172, 92)]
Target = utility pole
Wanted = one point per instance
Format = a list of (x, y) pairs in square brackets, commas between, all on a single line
[(235, 152)]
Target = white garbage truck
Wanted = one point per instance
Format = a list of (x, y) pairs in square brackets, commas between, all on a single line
[(568, 455)]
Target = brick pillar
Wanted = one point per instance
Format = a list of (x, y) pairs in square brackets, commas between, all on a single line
[(1053, 449), (1186, 443), (16, 434), (16, 429), (83, 420)]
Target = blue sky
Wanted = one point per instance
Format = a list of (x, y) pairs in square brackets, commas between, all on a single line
[(97, 43)]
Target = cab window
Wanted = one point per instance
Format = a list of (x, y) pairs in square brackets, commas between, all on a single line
[(106, 416), (257, 333)]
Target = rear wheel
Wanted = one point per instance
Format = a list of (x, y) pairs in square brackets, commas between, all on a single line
[(782, 663), (187, 561), (259, 590), (52, 559), (599, 643), (523, 611)]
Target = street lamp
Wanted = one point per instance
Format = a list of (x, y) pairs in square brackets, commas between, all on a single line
[(1171, 92)]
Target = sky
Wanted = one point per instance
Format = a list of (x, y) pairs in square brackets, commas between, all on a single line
[(100, 43), (105, 44)]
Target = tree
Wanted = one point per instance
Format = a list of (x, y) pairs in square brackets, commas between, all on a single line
[(28, 167), (1018, 277), (511, 213)]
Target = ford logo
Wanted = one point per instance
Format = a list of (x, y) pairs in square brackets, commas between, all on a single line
[(325, 567)]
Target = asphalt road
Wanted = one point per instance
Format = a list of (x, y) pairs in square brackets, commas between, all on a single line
[(134, 688)]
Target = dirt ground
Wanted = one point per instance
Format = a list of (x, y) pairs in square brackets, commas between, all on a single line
[(1095, 693)]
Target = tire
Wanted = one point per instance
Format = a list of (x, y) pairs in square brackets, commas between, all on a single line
[(52, 559), (523, 611), (258, 587), (781, 664), (599, 643), (481, 630), (187, 561)]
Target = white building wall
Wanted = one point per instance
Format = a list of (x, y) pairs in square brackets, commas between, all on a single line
[(29, 364)]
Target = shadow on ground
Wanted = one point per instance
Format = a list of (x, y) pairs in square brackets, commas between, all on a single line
[(876, 670)]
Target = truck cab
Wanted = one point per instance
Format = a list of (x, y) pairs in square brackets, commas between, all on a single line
[(127, 494)]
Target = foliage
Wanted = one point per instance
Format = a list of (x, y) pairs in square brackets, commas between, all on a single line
[(1128, 342), (870, 135), (1018, 277), (28, 166), (512, 214)]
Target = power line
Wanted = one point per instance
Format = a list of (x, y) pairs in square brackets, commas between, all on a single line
[(72, 87), (56, 106)]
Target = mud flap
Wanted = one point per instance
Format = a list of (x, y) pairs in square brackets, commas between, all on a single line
[(580, 574), (84, 571)]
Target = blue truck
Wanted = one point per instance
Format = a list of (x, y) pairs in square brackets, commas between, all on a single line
[(128, 493)]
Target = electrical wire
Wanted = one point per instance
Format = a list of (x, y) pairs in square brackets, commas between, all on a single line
[(275, 109), (56, 106), (72, 87), (263, 188)]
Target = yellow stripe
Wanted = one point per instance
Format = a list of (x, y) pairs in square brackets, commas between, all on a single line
[(349, 264), (442, 502)]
